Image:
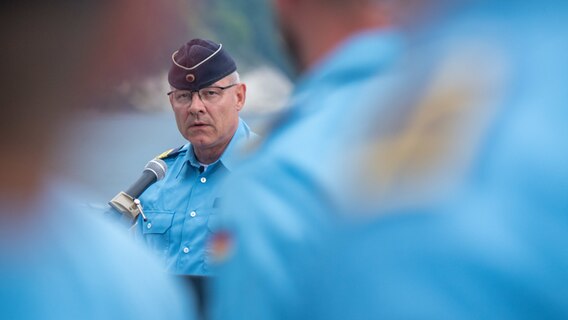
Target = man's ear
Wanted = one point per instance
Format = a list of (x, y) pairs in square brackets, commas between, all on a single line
[(241, 96), (171, 97)]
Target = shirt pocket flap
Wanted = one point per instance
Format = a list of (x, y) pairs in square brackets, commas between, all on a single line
[(158, 221)]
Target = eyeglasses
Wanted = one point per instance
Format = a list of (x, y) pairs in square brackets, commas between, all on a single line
[(207, 95)]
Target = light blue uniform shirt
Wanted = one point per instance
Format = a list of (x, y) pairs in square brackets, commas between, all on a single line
[(495, 248), (278, 205), (498, 249), (182, 208)]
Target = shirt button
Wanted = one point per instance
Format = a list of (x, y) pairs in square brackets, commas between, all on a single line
[(149, 225), (193, 213), (186, 250), (203, 179)]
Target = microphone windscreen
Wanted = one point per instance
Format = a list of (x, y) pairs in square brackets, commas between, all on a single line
[(158, 167)]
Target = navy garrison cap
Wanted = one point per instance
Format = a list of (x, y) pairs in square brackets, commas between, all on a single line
[(199, 63)]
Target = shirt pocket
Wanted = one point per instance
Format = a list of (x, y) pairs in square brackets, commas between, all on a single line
[(214, 222), (156, 229)]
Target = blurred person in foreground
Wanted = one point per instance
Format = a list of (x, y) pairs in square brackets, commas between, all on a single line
[(58, 261), (181, 209), (416, 180), (279, 207), (480, 159)]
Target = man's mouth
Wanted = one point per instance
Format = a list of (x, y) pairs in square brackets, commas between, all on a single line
[(198, 124)]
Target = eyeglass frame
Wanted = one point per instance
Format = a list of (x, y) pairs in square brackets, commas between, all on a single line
[(199, 95)]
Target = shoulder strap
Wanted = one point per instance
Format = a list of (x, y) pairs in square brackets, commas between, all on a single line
[(171, 153)]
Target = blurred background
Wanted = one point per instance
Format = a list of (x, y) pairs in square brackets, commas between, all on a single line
[(131, 120)]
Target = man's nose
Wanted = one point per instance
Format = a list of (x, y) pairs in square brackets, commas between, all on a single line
[(196, 105)]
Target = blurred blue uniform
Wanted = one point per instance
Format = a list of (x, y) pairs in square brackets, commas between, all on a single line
[(278, 204), (498, 248), (182, 208), (482, 237), (60, 261)]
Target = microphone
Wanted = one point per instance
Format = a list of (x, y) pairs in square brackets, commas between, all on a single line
[(126, 202), (153, 171)]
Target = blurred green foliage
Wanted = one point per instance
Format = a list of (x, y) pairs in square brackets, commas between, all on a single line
[(246, 28)]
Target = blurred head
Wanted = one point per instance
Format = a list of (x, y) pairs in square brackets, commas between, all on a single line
[(206, 96), (312, 28), (42, 60), (55, 59)]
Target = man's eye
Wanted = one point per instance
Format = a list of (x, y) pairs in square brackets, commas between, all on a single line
[(210, 93), (184, 95)]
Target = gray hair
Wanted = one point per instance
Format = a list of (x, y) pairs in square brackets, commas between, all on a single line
[(234, 77)]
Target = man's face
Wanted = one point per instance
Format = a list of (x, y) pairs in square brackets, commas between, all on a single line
[(207, 124)]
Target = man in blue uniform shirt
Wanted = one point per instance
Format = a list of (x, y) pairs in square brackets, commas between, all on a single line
[(467, 164), (496, 247), (181, 209)]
